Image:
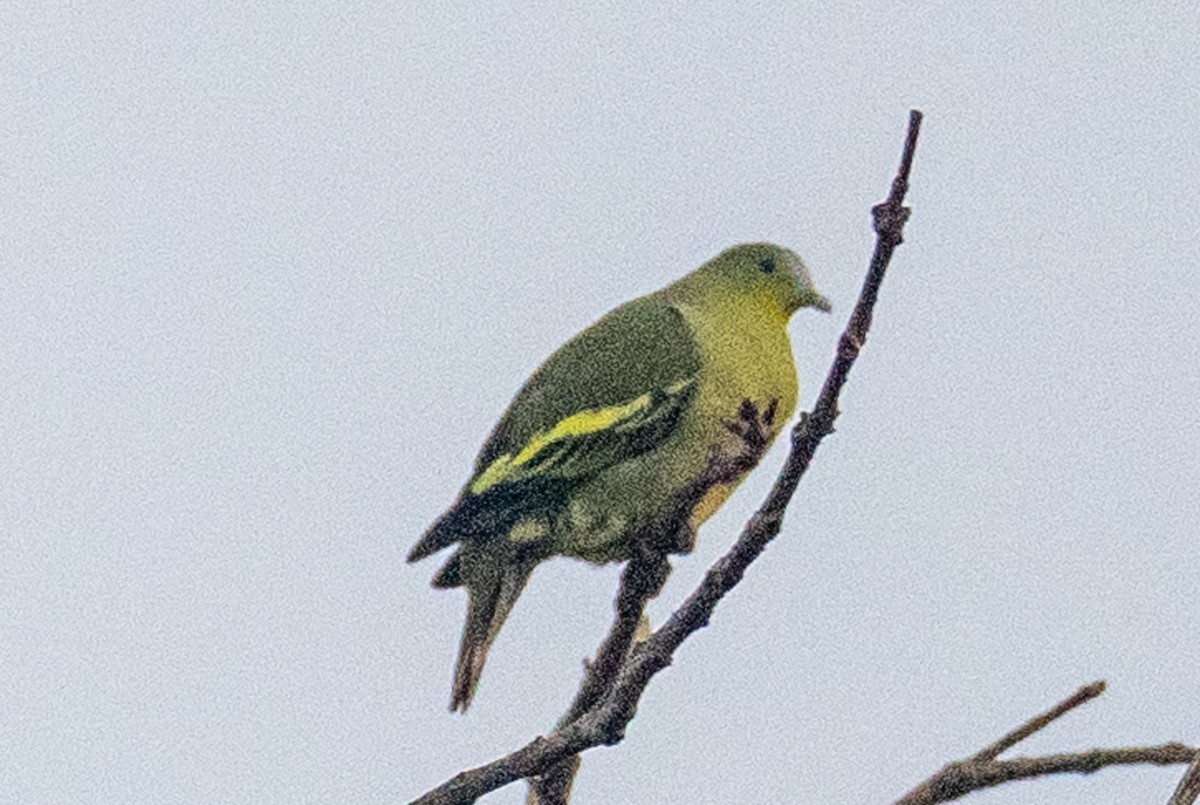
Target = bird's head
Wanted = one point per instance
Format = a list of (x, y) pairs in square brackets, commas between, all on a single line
[(775, 277)]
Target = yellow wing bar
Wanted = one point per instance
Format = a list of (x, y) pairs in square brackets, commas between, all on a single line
[(547, 447)]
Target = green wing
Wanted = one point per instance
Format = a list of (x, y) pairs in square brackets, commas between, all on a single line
[(614, 392)]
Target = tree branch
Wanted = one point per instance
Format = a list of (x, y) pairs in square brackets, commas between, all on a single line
[(983, 770), (641, 580), (615, 680), (1189, 786), (1081, 696), (960, 779)]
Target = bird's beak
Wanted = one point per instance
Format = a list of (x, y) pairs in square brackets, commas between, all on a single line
[(821, 303)]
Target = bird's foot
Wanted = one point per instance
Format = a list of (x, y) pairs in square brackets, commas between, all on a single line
[(727, 463), (756, 429)]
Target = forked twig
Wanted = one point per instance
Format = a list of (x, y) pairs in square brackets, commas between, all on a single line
[(983, 770), (1081, 696)]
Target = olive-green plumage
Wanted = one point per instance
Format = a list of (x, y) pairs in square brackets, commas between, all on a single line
[(606, 433)]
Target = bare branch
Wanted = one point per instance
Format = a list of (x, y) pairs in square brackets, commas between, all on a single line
[(1081, 696), (533, 758), (641, 580), (605, 705), (1189, 786), (960, 779), (982, 770)]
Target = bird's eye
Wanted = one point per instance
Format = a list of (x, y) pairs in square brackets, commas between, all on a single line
[(767, 265)]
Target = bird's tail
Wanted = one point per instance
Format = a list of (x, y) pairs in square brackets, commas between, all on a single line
[(492, 589)]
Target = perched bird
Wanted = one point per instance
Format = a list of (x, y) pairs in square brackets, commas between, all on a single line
[(603, 440)]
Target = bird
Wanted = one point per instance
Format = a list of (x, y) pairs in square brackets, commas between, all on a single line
[(618, 432)]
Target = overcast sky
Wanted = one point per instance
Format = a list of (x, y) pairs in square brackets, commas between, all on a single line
[(269, 273)]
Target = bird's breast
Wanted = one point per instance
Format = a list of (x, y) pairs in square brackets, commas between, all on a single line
[(743, 357)]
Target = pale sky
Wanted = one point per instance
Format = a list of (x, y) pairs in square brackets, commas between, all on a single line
[(271, 272)]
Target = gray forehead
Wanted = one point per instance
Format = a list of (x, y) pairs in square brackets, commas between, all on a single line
[(797, 266)]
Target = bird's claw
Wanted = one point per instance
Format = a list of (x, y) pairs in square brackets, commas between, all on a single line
[(756, 429)]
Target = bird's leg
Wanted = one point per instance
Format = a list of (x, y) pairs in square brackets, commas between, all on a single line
[(680, 535), (647, 570), (674, 532)]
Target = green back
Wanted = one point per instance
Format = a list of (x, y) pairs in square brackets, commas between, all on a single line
[(641, 347)]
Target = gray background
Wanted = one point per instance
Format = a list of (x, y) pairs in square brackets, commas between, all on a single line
[(270, 274)]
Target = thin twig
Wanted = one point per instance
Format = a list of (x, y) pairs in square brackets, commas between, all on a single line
[(1081, 696), (960, 779), (605, 721), (982, 770), (1189, 786)]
